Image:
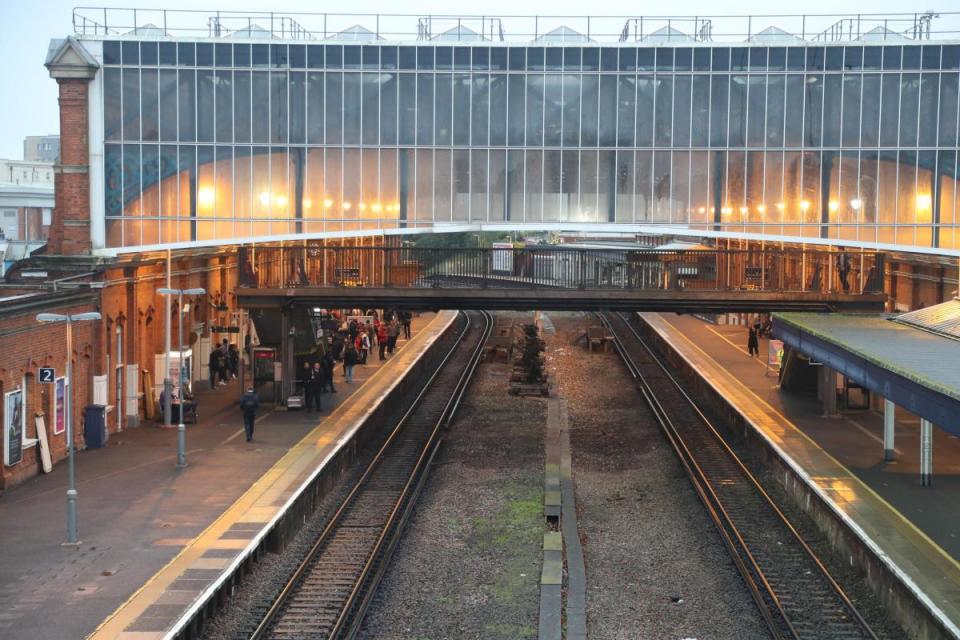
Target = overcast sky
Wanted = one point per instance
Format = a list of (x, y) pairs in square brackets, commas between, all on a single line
[(29, 106)]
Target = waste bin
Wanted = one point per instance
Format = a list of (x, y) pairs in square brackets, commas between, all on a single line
[(95, 426)]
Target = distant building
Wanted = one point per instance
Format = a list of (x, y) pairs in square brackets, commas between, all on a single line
[(41, 148), (26, 205)]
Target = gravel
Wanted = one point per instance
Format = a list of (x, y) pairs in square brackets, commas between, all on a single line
[(656, 567), (468, 565)]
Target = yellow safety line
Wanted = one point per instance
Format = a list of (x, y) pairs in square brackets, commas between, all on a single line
[(853, 476), (247, 496)]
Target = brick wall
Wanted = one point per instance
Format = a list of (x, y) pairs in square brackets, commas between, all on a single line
[(26, 345), (70, 231)]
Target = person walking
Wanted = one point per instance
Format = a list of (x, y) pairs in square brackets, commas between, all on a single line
[(224, 361), (213, 365), (349, 360), (249, 404), (233, 360), (382, 339), (753, 345)]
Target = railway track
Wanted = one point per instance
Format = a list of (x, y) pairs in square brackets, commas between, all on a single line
[(329, 592), (793, 590)]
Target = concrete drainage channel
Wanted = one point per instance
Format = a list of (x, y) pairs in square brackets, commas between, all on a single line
[(377, 423), (561, 546), (902, 602)]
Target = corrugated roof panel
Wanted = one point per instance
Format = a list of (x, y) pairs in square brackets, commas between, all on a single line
[(942, 319)]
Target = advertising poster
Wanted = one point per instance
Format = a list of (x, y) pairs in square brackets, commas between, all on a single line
[(59, 406), (502, 257), (12, 427), (775, 354)]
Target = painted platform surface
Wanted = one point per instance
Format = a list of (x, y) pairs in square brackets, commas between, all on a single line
[(181, 587), (137, 511), (842, 460)]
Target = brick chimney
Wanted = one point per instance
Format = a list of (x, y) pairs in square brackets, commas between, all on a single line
[(72, 66)]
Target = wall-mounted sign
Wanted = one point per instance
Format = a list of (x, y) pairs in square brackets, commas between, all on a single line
[(46, 375), (13, 427)]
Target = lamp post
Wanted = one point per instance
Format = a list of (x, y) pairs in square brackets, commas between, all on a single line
[(72, 538), (181, 428)]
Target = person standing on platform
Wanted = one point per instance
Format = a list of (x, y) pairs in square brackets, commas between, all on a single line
[(393, 331), (407, 320), (753, 345), (364, 349), (382, 339), (843, 270), (314, 387), (349, 360), (249, 404), (233, 358), (329, 364)]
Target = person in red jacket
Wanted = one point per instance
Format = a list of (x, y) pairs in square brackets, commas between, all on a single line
[(382, 339)]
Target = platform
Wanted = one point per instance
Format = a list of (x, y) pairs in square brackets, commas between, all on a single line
[(139, 515), (915, 530)]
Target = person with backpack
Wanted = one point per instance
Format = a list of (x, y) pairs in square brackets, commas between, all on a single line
[(249, 404), (363, 341)]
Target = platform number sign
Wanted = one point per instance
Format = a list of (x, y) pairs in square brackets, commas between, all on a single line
[(47, 375)]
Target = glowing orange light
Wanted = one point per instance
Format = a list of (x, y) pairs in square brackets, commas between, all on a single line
[(834, 205), (855, 204), (923, 201), (362, 206), (804, 205), (206, 196), (281, 201), (376, 207), (327, 203), (744, 210), (265, 199), (781, 206), (307, 203), (702, 210), (346, 206), (762, 208)]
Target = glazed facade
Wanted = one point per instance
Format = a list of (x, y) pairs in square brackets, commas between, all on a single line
[(233, 140)]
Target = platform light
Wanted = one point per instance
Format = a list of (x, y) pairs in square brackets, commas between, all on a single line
[(206, 196), (781, 206), (346, 205), (804, 205), (855, 204), (362, 206), (744, 210), (924, 201), (307, 203), (762, 208), (702, 209), (376, 207), (327, 203), (281, 201), (726, 211), (834, 205), (265, 199)]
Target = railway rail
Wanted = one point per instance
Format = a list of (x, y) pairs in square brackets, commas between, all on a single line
[(329, 592), (795, 593)]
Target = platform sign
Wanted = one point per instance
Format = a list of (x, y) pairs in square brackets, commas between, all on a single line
[(13, 427), (46, 375), (502, 257)]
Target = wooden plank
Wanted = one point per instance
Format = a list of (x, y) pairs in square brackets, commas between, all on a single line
[(44, 446)]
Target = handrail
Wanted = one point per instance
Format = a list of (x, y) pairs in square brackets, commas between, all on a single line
[(99, 21)]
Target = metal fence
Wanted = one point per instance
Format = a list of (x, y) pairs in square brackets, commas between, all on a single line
[(784, 29), (316, 265)]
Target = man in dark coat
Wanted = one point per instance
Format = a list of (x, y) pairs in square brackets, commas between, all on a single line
[(249, 404)]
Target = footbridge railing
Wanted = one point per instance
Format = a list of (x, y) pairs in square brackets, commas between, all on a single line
[(634, 269)]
